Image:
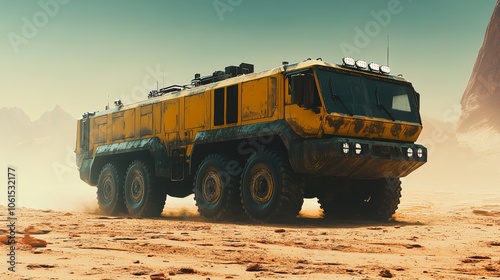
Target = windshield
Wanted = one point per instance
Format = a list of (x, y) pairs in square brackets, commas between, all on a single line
[(354, 94)]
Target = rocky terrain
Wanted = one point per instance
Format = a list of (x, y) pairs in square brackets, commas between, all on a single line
[(435, 235)]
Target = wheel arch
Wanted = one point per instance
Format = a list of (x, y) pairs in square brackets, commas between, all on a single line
[(122, 154), (241, 141)]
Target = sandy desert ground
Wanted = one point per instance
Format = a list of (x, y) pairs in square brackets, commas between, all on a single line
[(435, 235)]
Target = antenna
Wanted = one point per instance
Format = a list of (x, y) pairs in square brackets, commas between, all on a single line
[(106, 96), (388, 49)]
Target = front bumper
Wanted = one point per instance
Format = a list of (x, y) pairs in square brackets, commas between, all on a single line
[(363, 159)]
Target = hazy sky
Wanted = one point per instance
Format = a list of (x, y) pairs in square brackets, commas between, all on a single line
[(75, 53)]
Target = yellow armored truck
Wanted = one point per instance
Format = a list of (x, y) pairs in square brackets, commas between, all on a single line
[(259, 143)]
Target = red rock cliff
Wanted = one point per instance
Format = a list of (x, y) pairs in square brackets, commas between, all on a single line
[(481, 99)]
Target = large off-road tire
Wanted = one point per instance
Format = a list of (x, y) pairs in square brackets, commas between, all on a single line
[(385, 200), (368, 199), (216, 189), (333, 206), (143, 195), (269, 190), (110, 190)]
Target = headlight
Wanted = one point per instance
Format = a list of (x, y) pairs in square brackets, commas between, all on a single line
[(345, 148), (361, 64), (349, 61), (420, 153), (374, 67), (385, 69), (409, 152), (357, 148)]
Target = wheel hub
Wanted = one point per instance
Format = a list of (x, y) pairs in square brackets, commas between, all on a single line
[(211, 187), (137, 189), (262, 186), (108, 190)]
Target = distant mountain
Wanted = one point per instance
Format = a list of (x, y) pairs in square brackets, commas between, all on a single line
[(15, 123), (481, 98), (43, 152), (56, 120)]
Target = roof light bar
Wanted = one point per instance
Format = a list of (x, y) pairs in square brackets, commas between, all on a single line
[(374, 67), (349, 61), (361, 64), (385, 69)]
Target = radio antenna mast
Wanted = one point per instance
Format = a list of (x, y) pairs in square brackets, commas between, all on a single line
[(388, 49), (106, 96)]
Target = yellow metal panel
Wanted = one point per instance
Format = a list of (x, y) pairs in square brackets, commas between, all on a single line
[(157, 118), (362, 127), (101, 125), (171, 116), (146, 120), (254, 99), (129, 117), (117, 126), (273, 94), (173, 141), (195, 113), (303, 121), (280, 97)]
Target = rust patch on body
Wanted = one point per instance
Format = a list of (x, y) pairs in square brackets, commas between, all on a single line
[(411, 131), (298, 128), (146, 131), (376, 128), (358, 126), (396, 130), (336, 123)]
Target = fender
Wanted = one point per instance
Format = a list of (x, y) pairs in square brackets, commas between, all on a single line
[(279, 128), (151, 146)]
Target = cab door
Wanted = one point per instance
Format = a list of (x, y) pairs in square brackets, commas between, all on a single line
[(303, 107)]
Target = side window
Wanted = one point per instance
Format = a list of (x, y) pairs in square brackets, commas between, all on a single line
[(303, 90), (297, 83), (232, 105), (401, 103), (226, 105), (219, 106)]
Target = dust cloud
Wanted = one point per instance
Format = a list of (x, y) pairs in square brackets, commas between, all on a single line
[(459, 163), (43, 153), (41, 185), (311, 209)]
